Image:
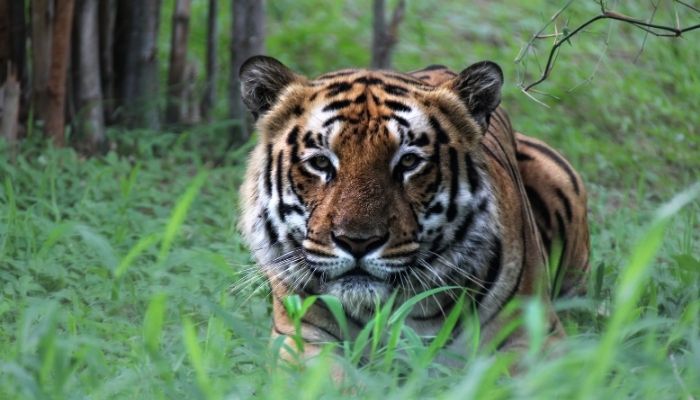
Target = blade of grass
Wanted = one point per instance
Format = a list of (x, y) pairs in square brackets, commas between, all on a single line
[(194, 353), (178, 216), (136, 250), (153, 323)]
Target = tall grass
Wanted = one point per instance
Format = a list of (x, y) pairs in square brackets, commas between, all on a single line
[(117, 280)]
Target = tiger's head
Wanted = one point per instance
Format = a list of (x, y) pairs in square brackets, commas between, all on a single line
[(368, 182)]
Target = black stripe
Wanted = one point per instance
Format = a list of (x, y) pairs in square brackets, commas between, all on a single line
[(441, 135), (546, 240), (268, 171), (309, 141), (494, 270), (558, 160), (472, 174), (397, 106), (292, 140), (515, 287), (271, 233), (336, 105), (433, 187), (298, 110), (395, 90), (463, 227), (567, 204), (366, 80), (287, 209), (292, 186), (402, 121), (421, 141), (436, 209), (360, 99), (331, 120), (280, 208), (454, 184), (436, 243), (523, 157), (338, 87), (538, 205), (563, 238)]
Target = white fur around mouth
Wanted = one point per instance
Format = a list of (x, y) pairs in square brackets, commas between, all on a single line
[(373, 269), (358, 292)]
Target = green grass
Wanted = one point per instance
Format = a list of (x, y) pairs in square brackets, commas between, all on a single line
[(124, 277)]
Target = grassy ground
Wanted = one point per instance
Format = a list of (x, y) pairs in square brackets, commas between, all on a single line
[(124, 277)]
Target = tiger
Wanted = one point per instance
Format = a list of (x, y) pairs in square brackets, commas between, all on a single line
[(367, 185)]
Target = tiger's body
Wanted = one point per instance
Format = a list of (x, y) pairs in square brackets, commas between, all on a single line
[(368, 183)]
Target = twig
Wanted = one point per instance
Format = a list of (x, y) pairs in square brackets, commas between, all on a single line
[(597, 64), (646, 35), (612, 15), (529, 45), (688, 5)]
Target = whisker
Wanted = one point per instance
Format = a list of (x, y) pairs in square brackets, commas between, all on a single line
[(470, 277)]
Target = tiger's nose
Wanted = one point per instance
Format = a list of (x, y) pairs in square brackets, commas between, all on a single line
[(359, 246)]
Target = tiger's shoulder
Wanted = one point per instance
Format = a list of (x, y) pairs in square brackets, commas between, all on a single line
[(553, 188)]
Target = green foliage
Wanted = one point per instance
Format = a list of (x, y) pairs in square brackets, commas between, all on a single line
[(117, 272)]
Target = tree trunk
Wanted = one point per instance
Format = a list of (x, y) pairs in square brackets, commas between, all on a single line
[(136, 62), (209, 97), (5, 38), (177, 103), (9, 110), (384, 37), (60, 51), (248, 40), (107, 18), (378, 32), (42, 26), (189, 110), (18, 51), (86, 77)]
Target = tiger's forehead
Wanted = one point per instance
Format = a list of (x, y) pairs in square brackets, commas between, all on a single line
[(362, 102)]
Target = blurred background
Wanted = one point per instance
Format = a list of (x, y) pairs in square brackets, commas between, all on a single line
[(88, 69), (124, 142)]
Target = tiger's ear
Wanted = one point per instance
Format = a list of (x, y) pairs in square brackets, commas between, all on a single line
[(262, 80), (479, 87)]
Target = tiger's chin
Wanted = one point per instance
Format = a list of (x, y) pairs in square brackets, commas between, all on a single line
[(359, 295)]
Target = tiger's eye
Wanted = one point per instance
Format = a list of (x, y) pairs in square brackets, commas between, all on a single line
[(321, 163), (409, 161)]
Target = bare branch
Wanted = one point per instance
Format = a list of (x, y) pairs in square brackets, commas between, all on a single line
[(647, 26)]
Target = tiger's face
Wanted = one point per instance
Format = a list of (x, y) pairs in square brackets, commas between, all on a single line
[(368, 182)]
